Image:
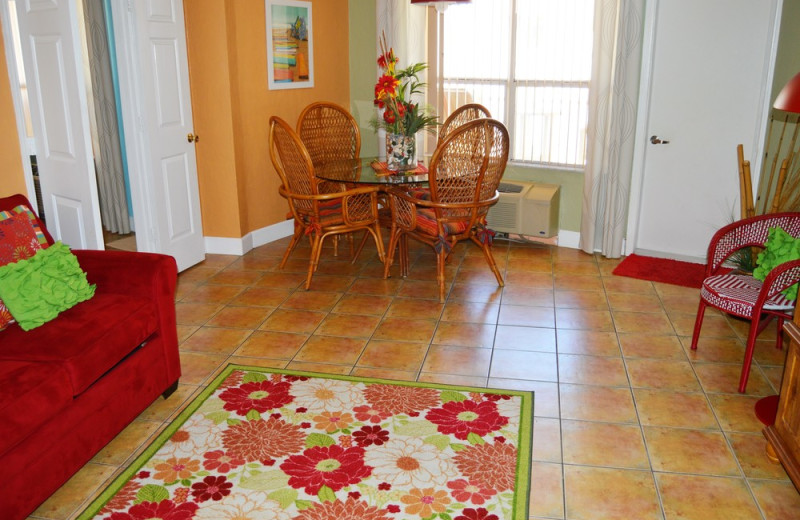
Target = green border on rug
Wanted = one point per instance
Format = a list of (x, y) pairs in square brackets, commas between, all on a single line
[(523, 449)]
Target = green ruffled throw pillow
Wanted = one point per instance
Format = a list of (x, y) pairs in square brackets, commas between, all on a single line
[(37, 289), (780, 247)]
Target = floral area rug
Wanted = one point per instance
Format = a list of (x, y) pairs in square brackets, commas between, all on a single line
[(274, 444)]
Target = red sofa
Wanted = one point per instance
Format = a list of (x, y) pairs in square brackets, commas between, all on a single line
[(71, 385)]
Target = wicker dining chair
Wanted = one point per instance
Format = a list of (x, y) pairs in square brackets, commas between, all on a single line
[(318, 214), (741, 295), (329, 132), (463, 185), (461, 115)]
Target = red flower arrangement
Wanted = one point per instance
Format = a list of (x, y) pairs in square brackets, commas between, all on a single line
[(393, 93)]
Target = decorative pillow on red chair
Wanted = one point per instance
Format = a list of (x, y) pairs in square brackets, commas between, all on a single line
[(19, 240)]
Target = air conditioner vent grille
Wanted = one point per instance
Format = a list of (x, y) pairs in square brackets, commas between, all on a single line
[(507, 187), (504, 217)]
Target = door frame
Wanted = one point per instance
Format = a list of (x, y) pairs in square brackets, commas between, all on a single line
[(124, 22), (643, 111), (123, 19), (26, 145)]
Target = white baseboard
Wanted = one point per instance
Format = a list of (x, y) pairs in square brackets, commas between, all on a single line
[(259, 237), (240, 246), (272, 233), (569, 239), (671, 256), (228, 246)]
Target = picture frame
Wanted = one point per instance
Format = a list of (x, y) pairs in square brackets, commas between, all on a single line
[(290, 49)]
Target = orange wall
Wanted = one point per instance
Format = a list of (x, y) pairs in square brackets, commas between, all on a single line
[(12, 176), (212, 112), (232, 105)]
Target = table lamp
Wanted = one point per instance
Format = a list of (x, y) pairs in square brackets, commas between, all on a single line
[(440, 5)]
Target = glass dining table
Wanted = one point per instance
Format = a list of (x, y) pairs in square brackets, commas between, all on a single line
[(367, 170)]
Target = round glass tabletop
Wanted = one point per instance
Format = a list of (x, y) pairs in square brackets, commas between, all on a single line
[(367, 170)]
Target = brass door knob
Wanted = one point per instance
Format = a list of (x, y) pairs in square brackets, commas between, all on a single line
[(192, 138)]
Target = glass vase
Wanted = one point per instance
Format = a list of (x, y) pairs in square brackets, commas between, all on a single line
[(401, 152)]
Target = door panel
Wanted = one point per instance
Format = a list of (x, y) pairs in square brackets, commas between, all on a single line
[(51, 52), (707, 95), (165, 74), (165, 67), (176, 179)]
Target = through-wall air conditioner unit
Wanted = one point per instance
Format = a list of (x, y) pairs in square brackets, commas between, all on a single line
[(526, 208)]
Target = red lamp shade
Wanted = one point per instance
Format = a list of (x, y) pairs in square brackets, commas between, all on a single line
[(789, 97), (439, 3)]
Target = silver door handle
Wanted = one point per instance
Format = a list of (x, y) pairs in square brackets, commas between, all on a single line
[(655, 140)]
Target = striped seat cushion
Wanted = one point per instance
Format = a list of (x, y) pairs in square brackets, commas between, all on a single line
[(330, 213), (426, 222), (737, 294), (426, 217)]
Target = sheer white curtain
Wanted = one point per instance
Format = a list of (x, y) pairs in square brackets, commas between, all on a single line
[(612, 120), (404, 26), (106, 144)]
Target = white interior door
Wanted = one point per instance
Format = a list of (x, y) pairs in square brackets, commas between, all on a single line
[(704, 91), (51, 51), (158, 98)]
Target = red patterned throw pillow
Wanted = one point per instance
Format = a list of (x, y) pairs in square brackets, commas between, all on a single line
[(19, 239)]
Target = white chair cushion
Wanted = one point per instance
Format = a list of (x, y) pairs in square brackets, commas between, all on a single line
[(737, 294)]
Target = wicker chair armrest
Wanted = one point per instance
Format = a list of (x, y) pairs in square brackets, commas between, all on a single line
[(359, 205), (402, 206), (329, 196), (779, 278), (747, 232)]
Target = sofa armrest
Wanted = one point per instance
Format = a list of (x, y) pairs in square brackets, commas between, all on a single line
[(148, 275), (123, 272)]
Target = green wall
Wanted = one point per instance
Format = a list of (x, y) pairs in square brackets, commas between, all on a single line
[(363, 70), (363, 44)]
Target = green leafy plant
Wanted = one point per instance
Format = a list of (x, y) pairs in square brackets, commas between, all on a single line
[(393, 93)]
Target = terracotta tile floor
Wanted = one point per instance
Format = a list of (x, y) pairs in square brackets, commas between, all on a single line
[(628, 423)]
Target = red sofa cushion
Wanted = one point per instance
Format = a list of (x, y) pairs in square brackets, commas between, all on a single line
[(30, 395), (19, 239), (86, 340)]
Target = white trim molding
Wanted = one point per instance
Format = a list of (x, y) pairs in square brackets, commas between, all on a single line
[(570, 239), (259, 237)]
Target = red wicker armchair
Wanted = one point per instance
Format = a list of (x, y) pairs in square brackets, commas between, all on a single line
[(317, 214), (739, 294), (465, 171)]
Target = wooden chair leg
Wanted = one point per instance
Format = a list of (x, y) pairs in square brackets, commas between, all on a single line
[(379, 243), (487, 253), (361, 245), (404, 260), (316, 249), (298, 234), (698, 323), (376, 236), (440, 261), (394, 234)]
